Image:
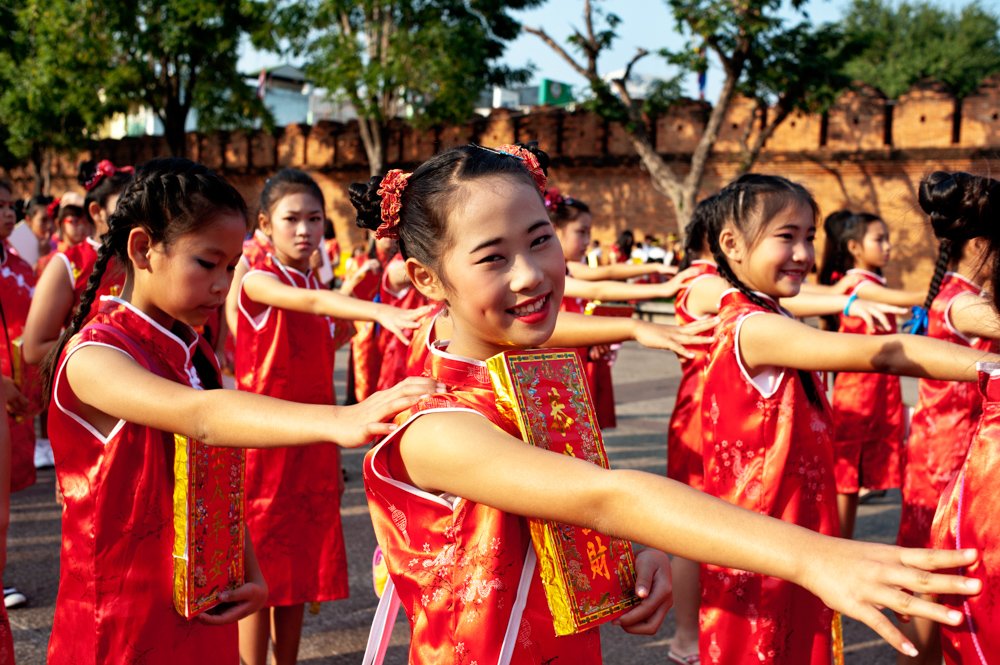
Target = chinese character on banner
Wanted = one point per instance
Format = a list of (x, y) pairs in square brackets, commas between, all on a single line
[(598, 555)]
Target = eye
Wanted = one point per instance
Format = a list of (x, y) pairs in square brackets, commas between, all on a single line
[(207, 265), (541, 240), (492, 258)]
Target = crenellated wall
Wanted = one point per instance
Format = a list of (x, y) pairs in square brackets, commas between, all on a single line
[(866, 153)]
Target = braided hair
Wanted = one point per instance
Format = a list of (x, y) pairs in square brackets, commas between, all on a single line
[(961, 206), (167, 198), (432, 192), (748, 204)]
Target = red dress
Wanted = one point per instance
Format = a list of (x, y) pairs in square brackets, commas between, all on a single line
[(394, 353), (79, 261), (969, 516), (293, 493), (599, 378), (17, 286), (366, 362), (767, 449), (942, 425), (116, 570), (684, 456), (465, 572), (867, 416), (420, 346)]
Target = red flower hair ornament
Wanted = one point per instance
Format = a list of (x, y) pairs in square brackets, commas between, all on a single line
[(105, 169), (391, 190), (530, 162), (53, 208)]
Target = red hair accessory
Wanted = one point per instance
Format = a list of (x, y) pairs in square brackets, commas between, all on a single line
[(530, 162), (553, 199), (391, 190), (52, 208), (105, 169)]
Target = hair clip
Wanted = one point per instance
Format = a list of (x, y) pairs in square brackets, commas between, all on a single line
[(530, 162), (391, 190), (105, 169)]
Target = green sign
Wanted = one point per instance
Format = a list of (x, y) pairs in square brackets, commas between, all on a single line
[(554, 93)]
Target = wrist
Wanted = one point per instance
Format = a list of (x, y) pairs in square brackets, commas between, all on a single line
[(850, 301)]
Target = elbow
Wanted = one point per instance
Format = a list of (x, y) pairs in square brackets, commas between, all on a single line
[(33, 353)]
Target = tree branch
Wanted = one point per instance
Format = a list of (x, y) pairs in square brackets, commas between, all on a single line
[(560, 51)]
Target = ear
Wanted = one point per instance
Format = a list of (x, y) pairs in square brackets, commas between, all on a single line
[(732, 245), (264, 223), (94, 209), (854, 248), (140, 248), (425, 280)]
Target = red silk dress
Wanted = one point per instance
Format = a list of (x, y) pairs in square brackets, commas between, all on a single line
[(684, 457), (255, 249), (116, 570), (465, 572), (867, 416), (293, 493), (942, 425), (366, 363), (17, 286), (78, 262), (394, 352), (767, 449), (969, 516), (419, 351)]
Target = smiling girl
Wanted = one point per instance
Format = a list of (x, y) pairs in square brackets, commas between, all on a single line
[(448, 490)]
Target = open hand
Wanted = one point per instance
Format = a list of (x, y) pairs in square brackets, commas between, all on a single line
[(875, 315), (362, 422), (398, 321), (674, 338)]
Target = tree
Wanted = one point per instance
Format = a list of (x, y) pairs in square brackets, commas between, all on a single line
[(177, 55), (428, 60), (905, 42), (762, 58), (49, 82)]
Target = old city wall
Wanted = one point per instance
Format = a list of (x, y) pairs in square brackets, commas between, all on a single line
[(866, 153)]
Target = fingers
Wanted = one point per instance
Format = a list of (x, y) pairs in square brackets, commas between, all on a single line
[(881, 624), (882, 321), (937, 559), (699, 326), (246, 600)]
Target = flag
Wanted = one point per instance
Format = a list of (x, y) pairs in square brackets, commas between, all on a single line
[(262, 85), (554, 93)]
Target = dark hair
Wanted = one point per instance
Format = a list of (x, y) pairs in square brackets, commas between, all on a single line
[(168, 198), (625, 242), (961, 206), (104, 189), (841, 228), (69, 210), (696, 232), (6, 184), (749, 203), (563, 209), (431, 193), (285, 182), (36, 203)]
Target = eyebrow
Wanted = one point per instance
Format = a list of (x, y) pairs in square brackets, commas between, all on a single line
[(496, 241)]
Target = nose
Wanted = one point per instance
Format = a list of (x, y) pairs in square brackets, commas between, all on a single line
[(803, 251), (526, 274)]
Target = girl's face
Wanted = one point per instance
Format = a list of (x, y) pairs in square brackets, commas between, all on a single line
[(41, 225), (782, 256), (874, 249), (75, 229), (575, 237), (7, 215), (503, 272), (101, 215), (188, 279), (295, 227)]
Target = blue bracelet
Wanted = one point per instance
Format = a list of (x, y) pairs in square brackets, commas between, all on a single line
[(850, 301)]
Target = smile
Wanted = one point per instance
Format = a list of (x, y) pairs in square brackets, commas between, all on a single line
[(533, 306)]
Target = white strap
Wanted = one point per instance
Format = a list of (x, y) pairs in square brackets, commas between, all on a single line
[(382, 624)]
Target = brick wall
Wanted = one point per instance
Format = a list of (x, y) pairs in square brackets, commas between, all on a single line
[(866, 153)]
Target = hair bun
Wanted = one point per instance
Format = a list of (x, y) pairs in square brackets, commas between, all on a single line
[(367, 203), (942, 196)]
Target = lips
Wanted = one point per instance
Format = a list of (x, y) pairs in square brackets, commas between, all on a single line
[(532, 311)]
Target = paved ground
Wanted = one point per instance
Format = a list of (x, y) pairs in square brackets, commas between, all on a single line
[(645, 383)]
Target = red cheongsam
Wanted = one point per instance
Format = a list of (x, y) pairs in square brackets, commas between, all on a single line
[(78, 261), (366, 362), (293, 493), (684, 457), (256, 248), (115, 602), (465, 572), (393, 351), (419, 351), (598, 371), (17, 286), (969, 516), (942, 425), (767, 449), (867, 416)]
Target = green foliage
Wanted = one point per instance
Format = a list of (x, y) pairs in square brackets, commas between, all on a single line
[(906, 42), (428, 58)]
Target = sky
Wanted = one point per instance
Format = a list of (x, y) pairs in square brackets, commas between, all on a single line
[(645, 23)]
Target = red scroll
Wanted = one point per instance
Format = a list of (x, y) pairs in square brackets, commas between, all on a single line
[(589, 577)]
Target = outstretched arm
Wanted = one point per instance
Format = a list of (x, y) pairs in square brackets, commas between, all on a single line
[(51, 304), (578, 330), (267, 290), (855, 578), (617, 271), (224, 417), (610, 290), (975, 316), (883, 294), (804, 347)]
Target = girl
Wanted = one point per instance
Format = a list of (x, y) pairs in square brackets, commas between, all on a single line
[(944, 420), (72, 227), (6, 639), (283, 349), (448, 487), (122, 388), (766, 424), (62, 283), (867, 409)]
